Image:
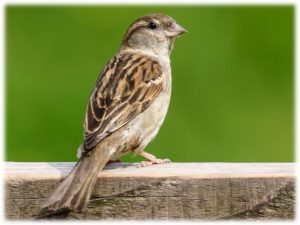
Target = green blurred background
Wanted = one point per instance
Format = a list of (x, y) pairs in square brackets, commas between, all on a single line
[(233, 80)]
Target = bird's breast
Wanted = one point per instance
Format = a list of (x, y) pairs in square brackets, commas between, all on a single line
[(151, 119), (145, 126)]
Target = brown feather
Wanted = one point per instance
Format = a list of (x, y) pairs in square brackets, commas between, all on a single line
[(122, 92)]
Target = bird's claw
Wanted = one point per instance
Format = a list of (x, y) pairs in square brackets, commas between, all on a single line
[(152, 162)]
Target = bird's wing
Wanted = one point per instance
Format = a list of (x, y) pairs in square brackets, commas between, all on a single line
[(127, 86)]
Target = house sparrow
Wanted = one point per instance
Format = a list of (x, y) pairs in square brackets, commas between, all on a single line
[(126, 108)]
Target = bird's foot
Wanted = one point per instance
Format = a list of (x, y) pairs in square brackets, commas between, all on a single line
[(152, 162)]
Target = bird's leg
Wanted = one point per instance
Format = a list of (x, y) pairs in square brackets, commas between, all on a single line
[(151, 159)]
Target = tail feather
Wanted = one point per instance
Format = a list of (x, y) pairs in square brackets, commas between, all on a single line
[(74, 192)]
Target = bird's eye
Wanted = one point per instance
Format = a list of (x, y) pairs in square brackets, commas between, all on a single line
[(152, 26)]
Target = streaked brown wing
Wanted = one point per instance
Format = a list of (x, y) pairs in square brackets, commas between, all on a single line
[(127, 86)]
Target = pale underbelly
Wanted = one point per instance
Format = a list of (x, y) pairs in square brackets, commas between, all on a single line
[(137, 134)]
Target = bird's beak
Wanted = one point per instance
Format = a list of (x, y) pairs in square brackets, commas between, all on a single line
[(174, 30)]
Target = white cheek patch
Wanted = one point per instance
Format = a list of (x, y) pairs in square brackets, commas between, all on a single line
[(160, 38)]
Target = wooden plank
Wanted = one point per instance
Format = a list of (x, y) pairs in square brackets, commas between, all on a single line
[(167, 191)]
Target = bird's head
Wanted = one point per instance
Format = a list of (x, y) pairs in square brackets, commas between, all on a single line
[(152, 32)]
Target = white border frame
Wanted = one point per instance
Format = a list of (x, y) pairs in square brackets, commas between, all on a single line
[(147, 2)]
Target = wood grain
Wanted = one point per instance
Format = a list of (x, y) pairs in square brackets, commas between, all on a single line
[(167, 191)]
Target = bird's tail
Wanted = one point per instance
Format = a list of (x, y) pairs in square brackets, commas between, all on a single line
[(74, 192)]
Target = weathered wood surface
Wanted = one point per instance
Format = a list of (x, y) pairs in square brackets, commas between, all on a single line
[(168, 191)]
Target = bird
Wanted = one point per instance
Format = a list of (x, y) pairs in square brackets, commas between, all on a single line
[(125, 110)]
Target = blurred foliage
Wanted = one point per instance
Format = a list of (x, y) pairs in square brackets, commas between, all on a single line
[(233, 80)]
